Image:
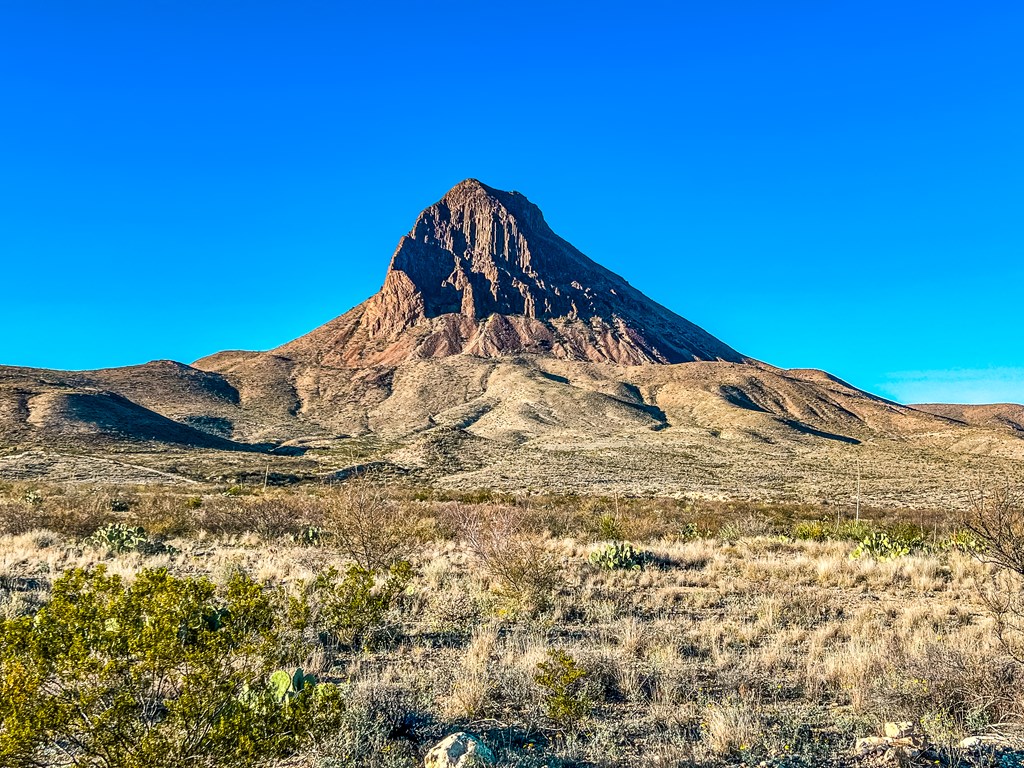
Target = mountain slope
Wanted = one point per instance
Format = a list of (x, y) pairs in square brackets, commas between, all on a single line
[(497, 355), (160, 403), (997, 415)]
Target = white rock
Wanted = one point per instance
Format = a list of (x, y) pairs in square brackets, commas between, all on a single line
[(974, 742), (901, 730), (460, 750), (870, 744)]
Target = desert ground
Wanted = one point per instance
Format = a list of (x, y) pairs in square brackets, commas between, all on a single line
[(556, 630)]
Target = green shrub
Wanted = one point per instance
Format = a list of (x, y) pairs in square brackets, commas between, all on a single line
[(165, 672), (730, 532), (811, 530), (565, 700), (619, 555), (691, 532), (822, 530), (963, 541), (853, 531), (910, 533), (352, 607), (608, 527)]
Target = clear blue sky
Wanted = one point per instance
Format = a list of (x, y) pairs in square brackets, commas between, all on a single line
[(836, 185)]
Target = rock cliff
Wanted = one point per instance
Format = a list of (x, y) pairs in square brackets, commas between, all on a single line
[(481, 273)]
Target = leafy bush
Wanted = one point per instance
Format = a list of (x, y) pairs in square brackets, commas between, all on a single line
[(565, 700), (310, 536), (619, 555), (353, 607), (691, 532), (608, 527), (963, 541), (163, 672), (853, 531), (821, 530), (810, 530)]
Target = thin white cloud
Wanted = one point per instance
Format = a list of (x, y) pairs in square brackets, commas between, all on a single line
[(975, 386)]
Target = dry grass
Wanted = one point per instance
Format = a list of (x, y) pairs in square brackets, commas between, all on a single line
[(742, 648)]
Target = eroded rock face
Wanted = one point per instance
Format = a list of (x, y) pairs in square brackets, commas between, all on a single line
[(482, 273)]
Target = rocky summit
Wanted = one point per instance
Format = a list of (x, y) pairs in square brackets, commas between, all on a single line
[(482, 273)]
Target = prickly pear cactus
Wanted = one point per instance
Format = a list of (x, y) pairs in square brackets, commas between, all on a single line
[(280, 685)]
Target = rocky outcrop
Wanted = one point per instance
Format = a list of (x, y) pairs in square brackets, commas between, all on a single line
[(481, 273)]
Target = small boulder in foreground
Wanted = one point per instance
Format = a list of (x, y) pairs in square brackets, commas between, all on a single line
[(459, 750)]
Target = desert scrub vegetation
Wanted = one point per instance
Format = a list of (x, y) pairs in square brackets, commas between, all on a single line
[(619, 554), (164, 670), (739, 640)]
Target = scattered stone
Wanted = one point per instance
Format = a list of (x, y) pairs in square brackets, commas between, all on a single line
[(459, 750), (906, 746), (870, 744), (982, 742), (901, 730), (902, 743)]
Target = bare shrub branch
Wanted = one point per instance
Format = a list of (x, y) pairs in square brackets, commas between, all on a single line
[(368, 524), (500, 540)]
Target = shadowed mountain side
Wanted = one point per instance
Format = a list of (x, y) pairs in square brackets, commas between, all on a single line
[(94, 408), (269, 403), (58, 417)]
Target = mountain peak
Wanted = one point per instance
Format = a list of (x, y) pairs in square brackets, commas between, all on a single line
[(482, 273)]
